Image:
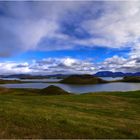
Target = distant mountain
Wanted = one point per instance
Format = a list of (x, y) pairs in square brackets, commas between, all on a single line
[(29, 76), (62, 76), (137, 74), (115, 74), (15, 76)]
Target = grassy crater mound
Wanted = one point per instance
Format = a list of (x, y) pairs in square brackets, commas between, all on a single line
[(53, 90), (82, 79)]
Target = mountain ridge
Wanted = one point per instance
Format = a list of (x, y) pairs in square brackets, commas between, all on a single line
[(115, 74), (61, 76)]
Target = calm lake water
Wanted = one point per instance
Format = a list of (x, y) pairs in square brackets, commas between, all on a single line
[(40, 80), (80, 88), (111, 78), (57, 80)]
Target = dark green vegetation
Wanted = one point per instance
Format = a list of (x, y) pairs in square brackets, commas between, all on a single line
[(10, 81), (17, 81), (83, 79), (53, 90), (135, 79), (20, 82), (28, 76), (26, 114)]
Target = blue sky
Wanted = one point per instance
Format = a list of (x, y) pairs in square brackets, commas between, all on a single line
[(96, 54), (52, 37)]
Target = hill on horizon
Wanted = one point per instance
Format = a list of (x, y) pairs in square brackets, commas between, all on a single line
[(82, 79)]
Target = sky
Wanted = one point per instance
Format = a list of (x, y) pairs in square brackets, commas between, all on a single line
[(69, 37)]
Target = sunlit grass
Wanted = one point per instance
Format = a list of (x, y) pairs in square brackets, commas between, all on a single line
[(25, 114)]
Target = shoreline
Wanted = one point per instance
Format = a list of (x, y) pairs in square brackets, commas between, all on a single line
[(70, 93)]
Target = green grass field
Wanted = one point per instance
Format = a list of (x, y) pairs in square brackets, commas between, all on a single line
[(25, 114)]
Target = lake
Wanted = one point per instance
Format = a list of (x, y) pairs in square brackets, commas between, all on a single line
[(111, 78), (78, 89), (57, 80)]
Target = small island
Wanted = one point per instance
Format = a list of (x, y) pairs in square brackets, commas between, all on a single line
[(135, 79), (83, 79)]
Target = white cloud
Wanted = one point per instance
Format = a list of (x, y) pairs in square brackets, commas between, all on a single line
[(13, 67), (38, 25), (118, 26), (117, 64), (49, 66), (65, 65), (69, 65), (24, 25)]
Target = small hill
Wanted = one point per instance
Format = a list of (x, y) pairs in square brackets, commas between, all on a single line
[(4, 90), (135, 79), (82, 79), (53, 90)]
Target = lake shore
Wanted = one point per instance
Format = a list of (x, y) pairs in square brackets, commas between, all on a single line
[(73, 80), (77, 84)]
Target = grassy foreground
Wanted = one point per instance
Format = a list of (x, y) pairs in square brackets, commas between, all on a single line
[(25, 114)]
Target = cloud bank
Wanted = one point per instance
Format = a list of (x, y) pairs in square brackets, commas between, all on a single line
[(60, 25), (65, 25), (69, 65)]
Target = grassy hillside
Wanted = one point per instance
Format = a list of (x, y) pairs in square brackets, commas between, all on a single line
[(82, 79), (53, 90), (26, 114)]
